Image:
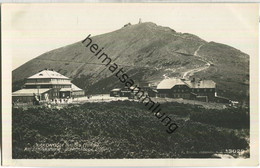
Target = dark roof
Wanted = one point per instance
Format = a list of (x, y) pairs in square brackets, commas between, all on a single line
[(201, 84)]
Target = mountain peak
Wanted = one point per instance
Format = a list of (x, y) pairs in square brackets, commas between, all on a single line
[(148, 26), (142, 24), (149, 52)]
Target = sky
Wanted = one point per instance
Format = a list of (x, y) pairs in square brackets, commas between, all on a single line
[(30, 30)]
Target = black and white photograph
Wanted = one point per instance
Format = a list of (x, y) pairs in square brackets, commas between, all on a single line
[(150, 81)]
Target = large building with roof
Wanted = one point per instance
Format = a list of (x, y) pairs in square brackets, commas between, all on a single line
[(204, 90), (174, 88), (47, 85)]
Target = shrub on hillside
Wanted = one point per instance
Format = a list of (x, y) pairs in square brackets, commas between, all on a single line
[(114, 130)]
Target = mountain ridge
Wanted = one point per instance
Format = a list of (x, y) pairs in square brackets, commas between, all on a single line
[(149, 53)]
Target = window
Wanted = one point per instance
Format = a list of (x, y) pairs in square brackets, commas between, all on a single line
[(205, 90)]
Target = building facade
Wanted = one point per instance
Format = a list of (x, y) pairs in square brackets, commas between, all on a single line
[(202, 90), (47, 85), (174, 88), (115, 92)]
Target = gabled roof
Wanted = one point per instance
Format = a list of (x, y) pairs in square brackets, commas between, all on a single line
[(201, 84), (220, 97), (116, 89), (29, 92), (73, 88), (48, 74), (170, 83)]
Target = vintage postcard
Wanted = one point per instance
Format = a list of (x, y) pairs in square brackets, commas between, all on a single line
[(130, 84)]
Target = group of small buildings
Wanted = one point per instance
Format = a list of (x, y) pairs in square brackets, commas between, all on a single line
[(132, 91), (47, 85), (201, 90), (127, 92)]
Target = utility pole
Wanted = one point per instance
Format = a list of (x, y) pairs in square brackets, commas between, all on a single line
[(38, 87)]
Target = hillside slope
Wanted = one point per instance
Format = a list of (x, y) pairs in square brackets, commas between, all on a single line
[(149, 53)]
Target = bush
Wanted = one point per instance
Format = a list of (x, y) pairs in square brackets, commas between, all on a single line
[(229, 118), (118, 130)]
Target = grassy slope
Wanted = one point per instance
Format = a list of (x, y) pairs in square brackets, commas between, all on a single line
[(144, 50), (137, 45), (230, 70), (126, 130)]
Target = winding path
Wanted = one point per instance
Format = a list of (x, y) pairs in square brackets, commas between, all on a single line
[(192, 71)]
